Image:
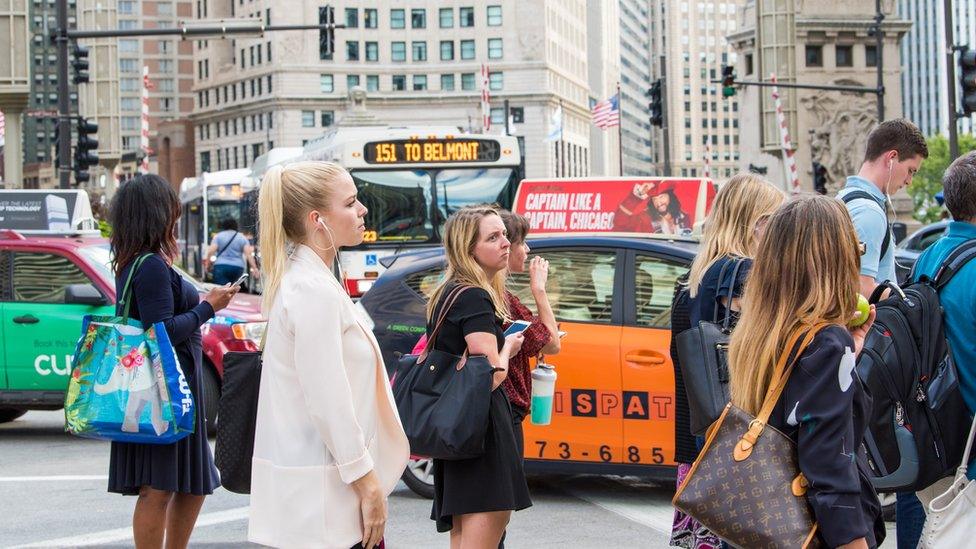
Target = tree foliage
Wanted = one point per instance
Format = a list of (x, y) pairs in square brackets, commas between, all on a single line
[(928, 181)]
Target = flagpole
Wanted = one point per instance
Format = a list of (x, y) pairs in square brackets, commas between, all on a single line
[(620, 139)]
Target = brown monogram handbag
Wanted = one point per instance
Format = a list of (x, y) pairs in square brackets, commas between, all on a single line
[(746, 485)]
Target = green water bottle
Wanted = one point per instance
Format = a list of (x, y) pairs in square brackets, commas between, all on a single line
[(543, 389)]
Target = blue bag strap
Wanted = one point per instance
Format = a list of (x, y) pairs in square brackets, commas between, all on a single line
[(126, 299), (955, 261)]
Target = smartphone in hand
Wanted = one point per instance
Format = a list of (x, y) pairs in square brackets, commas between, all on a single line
[(240, 280), (516, 327)]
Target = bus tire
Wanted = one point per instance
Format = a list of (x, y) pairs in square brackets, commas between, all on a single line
[(419, 476), (9, 414), (211, 397)]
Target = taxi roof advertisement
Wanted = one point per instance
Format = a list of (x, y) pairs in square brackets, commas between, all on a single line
[(45, 211), (646, 206)]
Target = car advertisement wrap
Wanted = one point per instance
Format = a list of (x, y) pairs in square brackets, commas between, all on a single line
[(661, 206), (55, 211)]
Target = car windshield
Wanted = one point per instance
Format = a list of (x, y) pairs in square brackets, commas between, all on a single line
[(99, 257)]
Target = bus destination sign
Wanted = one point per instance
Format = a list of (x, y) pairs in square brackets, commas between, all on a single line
[(431, 151)]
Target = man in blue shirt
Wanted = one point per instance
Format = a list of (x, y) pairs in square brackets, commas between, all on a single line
[(895, 150), (958, 297)]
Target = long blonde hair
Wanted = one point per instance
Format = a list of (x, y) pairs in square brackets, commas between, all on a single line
[(287, 195), (805, 272), (461, 233), (730, 227)]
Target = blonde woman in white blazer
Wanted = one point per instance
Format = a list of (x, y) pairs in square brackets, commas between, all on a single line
[(329, 447)]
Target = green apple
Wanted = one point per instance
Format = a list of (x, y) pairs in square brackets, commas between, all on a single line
[(863, 310)]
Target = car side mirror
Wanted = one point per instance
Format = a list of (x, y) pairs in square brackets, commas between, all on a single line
[(899, 230), (83, 294)]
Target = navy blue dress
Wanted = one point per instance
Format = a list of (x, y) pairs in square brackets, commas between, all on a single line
[(159, 294), (702, 306)]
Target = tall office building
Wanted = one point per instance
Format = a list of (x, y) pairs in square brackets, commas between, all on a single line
[(418, 62), (924, 82), (635, 80), (170, 62), (689, 49), (39, 143)]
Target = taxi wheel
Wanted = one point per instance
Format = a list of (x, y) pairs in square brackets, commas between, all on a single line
[(419, 477), (211, 397), (10, 414)]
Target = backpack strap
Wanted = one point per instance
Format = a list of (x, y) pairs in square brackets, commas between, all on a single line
[(859, 195), (953, 263)]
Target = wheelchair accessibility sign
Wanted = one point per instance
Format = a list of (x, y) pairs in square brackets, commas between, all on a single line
[(371, 260)]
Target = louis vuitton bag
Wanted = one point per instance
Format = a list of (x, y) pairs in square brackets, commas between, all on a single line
[(746, 485)]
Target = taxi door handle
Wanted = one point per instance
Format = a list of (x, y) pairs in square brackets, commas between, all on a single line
[(645, 358), (26, 319)]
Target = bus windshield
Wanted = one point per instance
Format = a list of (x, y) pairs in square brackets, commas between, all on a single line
[(402, 206)]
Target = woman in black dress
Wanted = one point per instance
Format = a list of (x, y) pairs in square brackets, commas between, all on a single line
[(171, 480), (474, 498)]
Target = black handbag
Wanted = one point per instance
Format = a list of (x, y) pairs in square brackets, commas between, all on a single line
[(444, 399), (703, 357), (236, 418)]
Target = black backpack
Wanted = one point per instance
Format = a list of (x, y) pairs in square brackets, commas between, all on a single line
[(918, 426), (863, 195)]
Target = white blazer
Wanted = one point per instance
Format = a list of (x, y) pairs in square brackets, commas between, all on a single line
[(326, 415)]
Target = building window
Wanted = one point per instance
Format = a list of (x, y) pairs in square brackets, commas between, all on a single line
[(467, 49), (328, 118), (748, 64), (418, 18), (496, 81), (326, 83), (466, 17), (518, 114), (352, 80), (419, 51), (495, 48), (352, 18), (447, 50), (372, 82), (164, 9), (127, 7), (372, 51), (844, 56), (371, 18), (447, 82), (494, 16), (129, 104), (467, 81), (352, 51), (419, 82), (398, 51), (447, 18), (129, 65), (308, 119), (497, 115), (164, 46), (128, 46), (399, 82), (165, 85), (871, 56), (814, 56), (165, 66), (398, 19)]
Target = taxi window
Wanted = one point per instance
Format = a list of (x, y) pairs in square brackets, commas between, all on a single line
[(580, 284), (42, 278), (654, 288), (424, 282)]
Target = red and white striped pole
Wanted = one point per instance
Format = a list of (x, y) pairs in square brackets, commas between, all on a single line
[(485, 99), (707, 155), (144, 137), (792, 178)]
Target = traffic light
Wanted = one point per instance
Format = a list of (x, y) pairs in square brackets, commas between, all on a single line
[(728, 81), (655, 106), (84, 150), (967, 80), (326, 36), (819, 178), (79, 62)]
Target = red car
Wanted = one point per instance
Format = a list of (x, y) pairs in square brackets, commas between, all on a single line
[(48, 283)]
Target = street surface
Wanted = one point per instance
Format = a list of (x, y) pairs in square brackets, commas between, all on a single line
[(53, 495)]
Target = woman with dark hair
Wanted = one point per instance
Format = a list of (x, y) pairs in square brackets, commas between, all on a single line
[(171, 480)]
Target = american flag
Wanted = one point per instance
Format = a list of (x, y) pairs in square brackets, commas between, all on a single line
[(606, 113)]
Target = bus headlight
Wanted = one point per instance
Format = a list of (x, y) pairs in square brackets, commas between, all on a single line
[(249, 330)]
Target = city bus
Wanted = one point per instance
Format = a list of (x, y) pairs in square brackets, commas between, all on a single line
[(206, 201), (411, 179)]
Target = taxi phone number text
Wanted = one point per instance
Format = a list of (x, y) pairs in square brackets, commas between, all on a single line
[(605, 453)]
